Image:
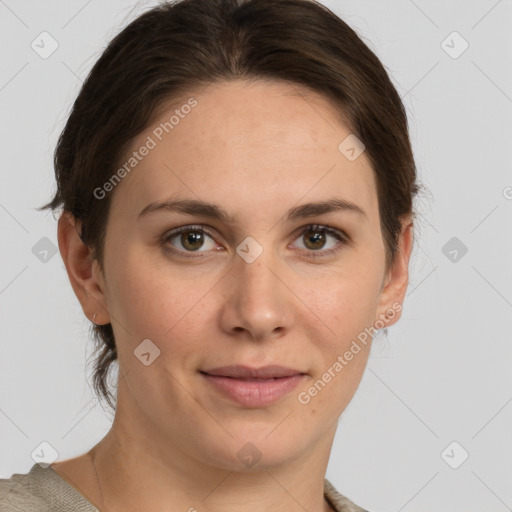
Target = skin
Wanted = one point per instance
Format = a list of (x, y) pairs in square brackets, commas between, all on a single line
[(174, 440)]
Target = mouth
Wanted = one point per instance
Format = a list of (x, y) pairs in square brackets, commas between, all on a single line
[(253, 387)]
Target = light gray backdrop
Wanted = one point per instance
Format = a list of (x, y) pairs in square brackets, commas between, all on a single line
[(430, 427)]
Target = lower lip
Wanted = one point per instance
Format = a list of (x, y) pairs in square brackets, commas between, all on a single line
[(254, 393)]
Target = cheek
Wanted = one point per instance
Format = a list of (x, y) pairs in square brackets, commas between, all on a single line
[(148, 302), (344, 303), (148, 307), (347, 308)]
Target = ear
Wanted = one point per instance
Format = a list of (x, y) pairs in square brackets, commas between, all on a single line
[(397, 278), (83, 271)]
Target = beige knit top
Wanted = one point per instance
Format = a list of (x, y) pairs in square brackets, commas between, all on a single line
[(44, 490)]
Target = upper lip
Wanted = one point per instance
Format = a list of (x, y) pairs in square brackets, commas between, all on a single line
[(265, 372)]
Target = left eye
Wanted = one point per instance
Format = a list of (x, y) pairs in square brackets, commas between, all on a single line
[(314, 237)]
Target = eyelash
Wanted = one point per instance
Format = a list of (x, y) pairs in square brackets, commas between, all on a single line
[(341, 236)]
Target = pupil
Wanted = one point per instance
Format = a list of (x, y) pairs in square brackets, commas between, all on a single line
[(188, 239), (318, 237)]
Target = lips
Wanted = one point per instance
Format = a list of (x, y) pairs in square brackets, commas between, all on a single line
[(253, 387), (246, 372)]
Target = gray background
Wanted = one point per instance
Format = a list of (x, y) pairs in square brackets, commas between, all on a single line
[(442, 375)]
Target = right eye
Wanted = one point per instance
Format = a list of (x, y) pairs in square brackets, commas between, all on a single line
[(190, 238)]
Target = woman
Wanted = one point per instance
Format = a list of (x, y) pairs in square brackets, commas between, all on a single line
[(236, 182)]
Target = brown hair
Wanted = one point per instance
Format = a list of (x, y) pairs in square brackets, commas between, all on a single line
[(180, 46)]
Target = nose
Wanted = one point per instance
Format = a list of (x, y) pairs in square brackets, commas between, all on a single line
[(258, 303)]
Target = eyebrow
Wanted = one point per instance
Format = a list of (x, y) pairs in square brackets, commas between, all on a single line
[(212, 211)]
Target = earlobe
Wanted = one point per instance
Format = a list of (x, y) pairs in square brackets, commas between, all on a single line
[(397, 279), (77, 257)]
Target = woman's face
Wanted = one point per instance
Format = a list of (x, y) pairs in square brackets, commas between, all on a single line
[(253, 289)]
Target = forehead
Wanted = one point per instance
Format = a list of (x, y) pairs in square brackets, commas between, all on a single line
[(245, 144)]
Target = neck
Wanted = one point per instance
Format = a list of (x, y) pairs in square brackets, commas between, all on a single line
[(134, 471)]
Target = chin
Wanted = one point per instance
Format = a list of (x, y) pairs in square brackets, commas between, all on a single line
[(257, 449)]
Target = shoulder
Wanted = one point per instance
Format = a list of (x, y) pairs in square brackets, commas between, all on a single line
[(43, 490), (40, 490), (339, 502), (17, 495)]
